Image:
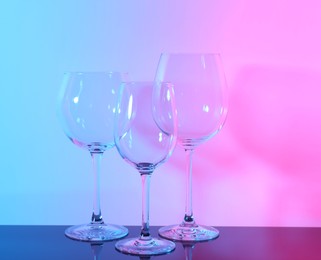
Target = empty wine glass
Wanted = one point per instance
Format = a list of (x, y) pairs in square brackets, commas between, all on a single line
[(201, 102), (87, 105), (145, 141)]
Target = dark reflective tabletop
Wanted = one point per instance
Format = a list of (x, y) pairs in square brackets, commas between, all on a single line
[(49, 242)]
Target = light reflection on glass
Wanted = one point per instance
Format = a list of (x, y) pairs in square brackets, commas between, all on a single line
[(206, 108), (130, 107), (168, 95)]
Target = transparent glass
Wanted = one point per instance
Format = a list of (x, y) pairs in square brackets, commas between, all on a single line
[(86, 110), (145, 141), (201, 103)]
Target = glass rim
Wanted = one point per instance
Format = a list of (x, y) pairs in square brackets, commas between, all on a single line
[(192, 53), (146, 82), (107, 72), (136, 84)]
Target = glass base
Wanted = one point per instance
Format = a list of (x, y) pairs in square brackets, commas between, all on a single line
[(188, 232), (96, 232), (148, 247)]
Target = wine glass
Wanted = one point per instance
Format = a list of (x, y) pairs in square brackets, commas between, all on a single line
[(201, 102), (87, 105), (145, 141)]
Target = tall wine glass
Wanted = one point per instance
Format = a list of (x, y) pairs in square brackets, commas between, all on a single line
[(201, 102), (145, 141), (87, 105)]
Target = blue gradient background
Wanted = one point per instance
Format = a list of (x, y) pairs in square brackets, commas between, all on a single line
[(262, 169)]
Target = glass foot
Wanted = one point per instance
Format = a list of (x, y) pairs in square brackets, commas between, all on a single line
[(96, 232), (148, 247), (188, 232)]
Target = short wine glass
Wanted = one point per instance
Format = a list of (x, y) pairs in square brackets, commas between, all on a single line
[(201, 102), (145, 128), (86, 109)]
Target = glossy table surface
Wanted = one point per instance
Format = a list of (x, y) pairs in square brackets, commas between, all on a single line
[(49, 242)]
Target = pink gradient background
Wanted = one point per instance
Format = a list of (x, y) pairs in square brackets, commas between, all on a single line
[(262, 169)]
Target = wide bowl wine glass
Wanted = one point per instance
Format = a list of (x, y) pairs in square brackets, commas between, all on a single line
[(87, 105), (201, 102), (145, 128)]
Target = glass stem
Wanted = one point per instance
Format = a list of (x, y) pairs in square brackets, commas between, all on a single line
[(145, 234), (188, 250), (188, 218), (96, 250), (96, 161)]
